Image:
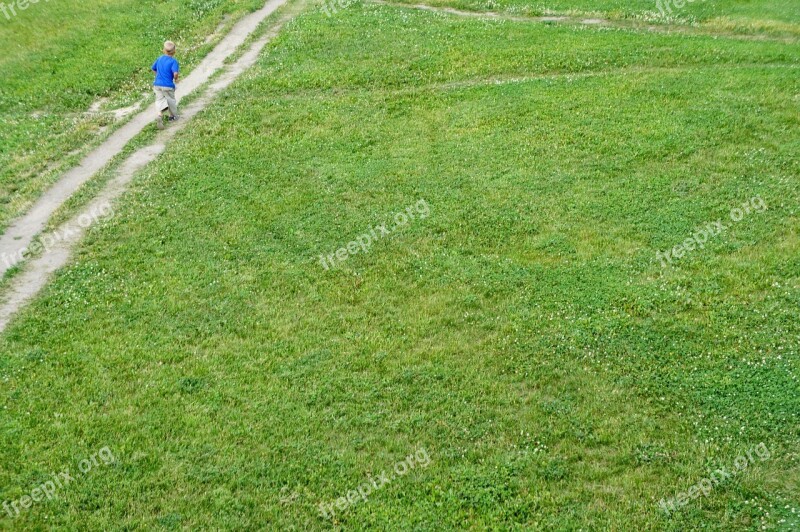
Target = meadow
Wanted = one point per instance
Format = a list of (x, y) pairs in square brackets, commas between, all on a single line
[(523, 335)]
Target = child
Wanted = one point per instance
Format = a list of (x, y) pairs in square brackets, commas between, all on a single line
[(166, 68)]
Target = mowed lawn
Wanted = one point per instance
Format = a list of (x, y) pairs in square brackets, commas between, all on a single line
[(523, 335), (60, 58)]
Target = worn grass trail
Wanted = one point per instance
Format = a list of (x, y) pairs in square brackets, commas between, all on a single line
[(22, 231), (62, 95), (37, 273)]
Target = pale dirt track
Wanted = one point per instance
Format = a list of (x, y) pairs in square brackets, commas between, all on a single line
[(36, 273)]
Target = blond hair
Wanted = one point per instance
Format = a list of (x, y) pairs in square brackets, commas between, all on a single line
[(169, 46)]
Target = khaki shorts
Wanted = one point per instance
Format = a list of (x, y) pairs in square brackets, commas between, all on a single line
[(165, 99)]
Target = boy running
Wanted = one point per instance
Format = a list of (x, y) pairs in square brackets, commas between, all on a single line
[(166, 68)]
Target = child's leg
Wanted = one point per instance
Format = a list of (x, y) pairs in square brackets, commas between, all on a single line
[(171, 101), (161, 101), (161, 105)]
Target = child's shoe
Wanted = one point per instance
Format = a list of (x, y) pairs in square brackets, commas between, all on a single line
[(160, 122)]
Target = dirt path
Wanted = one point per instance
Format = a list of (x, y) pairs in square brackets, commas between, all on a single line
[(21, 232), (37, 272)]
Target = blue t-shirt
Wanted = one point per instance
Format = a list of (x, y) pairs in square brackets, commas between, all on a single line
[(164, 67)]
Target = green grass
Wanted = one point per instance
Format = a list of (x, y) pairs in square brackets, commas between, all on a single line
[(61, 57), (524, 333)]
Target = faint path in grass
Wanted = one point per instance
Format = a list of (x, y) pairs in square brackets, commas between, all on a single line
[(510, 79), (621, 71), (28, 283), (598, 22), (22, 231)]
